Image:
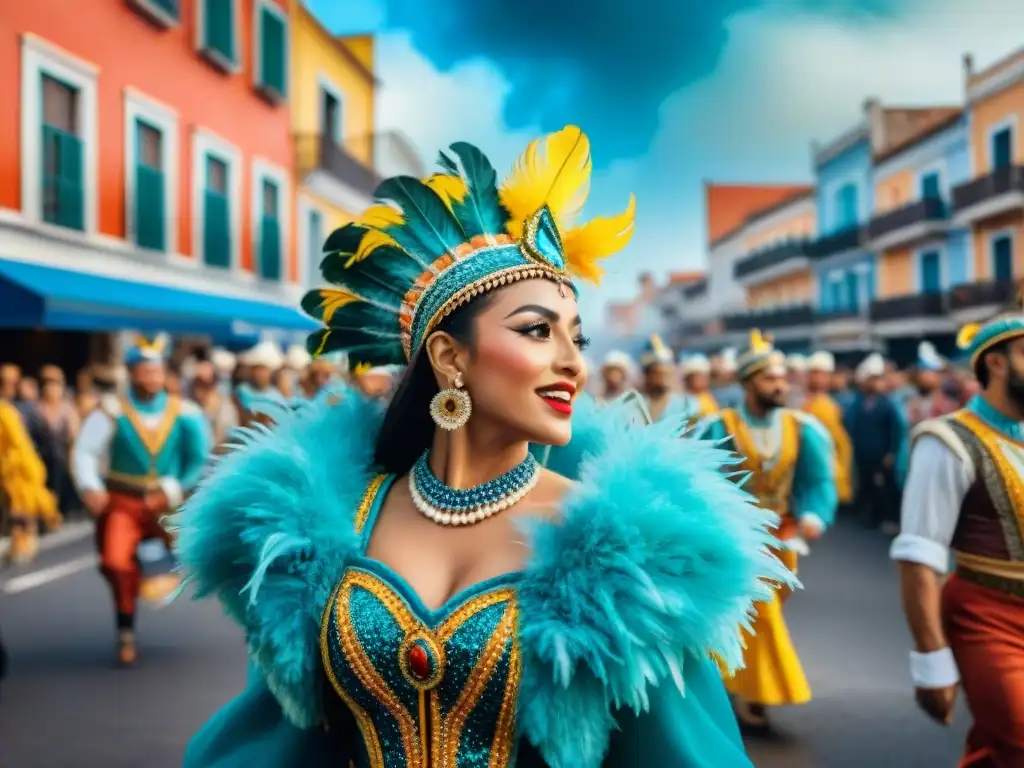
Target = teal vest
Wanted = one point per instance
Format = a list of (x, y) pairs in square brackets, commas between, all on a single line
[(140, 454)]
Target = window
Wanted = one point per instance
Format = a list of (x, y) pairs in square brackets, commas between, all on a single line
[(166, 13), (270, 233), (1002, 148), (331, 116), (216, 214), (1002, 258), (315, 235), (846, 207), (216, 31), (930, 272), (271, 41), (931, 187), (63, 177), (852, 290), (150, 187), (836, 300)]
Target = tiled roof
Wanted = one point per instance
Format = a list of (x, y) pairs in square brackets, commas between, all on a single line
[(728, 206)]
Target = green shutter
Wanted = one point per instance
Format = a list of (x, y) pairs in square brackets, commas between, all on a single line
[(170, 7), (63, 182), (150, 199), (270, 248), (216, 230), (220, 27), (273, 68)]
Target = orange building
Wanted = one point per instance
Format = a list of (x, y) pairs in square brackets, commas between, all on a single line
[(147, 144), (992, 202), (775, 270)]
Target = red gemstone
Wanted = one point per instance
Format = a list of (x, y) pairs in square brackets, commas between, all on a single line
[(419, 662)]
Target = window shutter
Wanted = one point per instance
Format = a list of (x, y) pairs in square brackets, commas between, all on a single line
[(272, 46), (220, 27), (216, 230), (270, 248), (70, 195)]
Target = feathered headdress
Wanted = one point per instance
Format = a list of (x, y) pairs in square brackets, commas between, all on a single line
[(147, 350), (760, 355), (432, 245), (978, 338)]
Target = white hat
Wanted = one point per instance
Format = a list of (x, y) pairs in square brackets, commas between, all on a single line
[(618, 359), (266, 353), (695, 364), (728, 358), (796, 363), (222, 360), (821, 361), (873, 365), (297, 357), (928, 358)]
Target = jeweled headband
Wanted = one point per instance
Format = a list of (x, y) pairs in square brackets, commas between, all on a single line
[(978, 338), (429, 246)]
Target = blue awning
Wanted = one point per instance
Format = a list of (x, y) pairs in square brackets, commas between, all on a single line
[(37, 296)]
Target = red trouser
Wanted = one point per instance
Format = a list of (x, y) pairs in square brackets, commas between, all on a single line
[(985, 629), (119, 531)]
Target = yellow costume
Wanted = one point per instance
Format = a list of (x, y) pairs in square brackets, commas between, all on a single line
[(830, 414), (22, 483), (706, 404)]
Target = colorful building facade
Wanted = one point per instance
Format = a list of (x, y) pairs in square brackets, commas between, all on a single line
[(151, 167)]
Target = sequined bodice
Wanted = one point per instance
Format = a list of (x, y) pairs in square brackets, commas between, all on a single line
[(428, 689)]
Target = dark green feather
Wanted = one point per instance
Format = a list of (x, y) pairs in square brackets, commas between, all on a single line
[(428, 222), (481, 211), (447, 164), (344, 239)]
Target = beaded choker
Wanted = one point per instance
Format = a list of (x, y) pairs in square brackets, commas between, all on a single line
[(452, 506)]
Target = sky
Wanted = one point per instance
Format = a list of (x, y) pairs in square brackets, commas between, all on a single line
[(671, 92)]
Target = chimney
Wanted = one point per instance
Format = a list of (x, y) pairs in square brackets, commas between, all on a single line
[(876, 123)]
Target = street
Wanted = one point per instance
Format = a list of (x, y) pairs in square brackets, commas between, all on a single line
[(65, 705)]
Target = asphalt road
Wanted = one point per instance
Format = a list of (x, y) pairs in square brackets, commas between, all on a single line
[(65, 705)]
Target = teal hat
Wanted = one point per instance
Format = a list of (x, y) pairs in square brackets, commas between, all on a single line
[(759, 356), (978, 338), (146, 350), (430, 246)]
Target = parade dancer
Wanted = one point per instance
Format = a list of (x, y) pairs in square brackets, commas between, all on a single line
[(134, 461), (791, 464), (965, 497), (929, 401), (23, 489), (257, 395), (617, 369), (820, 404), (392, 581), (660, 386), (696, 370)]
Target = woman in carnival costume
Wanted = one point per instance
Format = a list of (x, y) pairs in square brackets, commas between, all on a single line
[(418, 586)]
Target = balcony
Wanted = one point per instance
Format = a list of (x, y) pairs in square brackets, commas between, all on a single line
[(844, 240), (993, 194), (985, 294), (914, 305), (788, 317), (772, 262), (696, 289), (329, 169), (910, 223)]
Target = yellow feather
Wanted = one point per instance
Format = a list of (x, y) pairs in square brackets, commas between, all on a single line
[(598, 239), (381, 216), (658, 345), (967, 334), (368, 243), (451, 189), (760, 342), (361, 369), (553, 171), (333, 299)]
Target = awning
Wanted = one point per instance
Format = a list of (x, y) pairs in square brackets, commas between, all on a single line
[(37, 296)]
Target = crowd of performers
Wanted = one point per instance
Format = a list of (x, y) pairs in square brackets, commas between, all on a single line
[(314, 526)]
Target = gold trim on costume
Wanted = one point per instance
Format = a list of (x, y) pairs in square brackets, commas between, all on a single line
[(771, 485), (1004, 569), (366, 504), (153, 439), (1010, 476)]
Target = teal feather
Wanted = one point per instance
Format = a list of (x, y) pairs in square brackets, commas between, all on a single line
[(447, 164), (481, 211), (428, 222), (344, 239)]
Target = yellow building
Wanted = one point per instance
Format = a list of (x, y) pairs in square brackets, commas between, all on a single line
[(333, 97), (992, 202)]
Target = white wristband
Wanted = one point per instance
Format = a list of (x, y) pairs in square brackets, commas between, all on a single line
[(934, 670)]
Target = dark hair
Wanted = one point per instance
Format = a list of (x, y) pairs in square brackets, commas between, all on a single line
[(981, 367), (408, 430)]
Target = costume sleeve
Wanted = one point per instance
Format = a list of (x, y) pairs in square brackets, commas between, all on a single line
[(814, 484), (688, 730), (937, 483), (91, 451), (196, 446)]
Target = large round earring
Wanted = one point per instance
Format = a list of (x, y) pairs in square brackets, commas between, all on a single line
[(450, 409)]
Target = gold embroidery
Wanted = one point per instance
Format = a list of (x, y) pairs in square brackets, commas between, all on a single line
[(153, 439), (504, 735), (363, 720), (366, 504), (990, 439), (771, 485)]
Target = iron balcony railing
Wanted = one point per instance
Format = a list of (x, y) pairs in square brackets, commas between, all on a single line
[(695, 289), (910, 305), (318, 152), (788, 317), (998, 182), (770, 257), (828, 245), (983, 293), (928, 209)]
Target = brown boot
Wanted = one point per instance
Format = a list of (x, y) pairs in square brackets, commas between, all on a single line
[(24, 542), (126, 653)]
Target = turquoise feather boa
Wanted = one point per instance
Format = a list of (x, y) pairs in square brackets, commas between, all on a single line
[(657, 555)]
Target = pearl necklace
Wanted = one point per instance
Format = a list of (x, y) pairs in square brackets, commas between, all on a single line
[(453, 506)]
